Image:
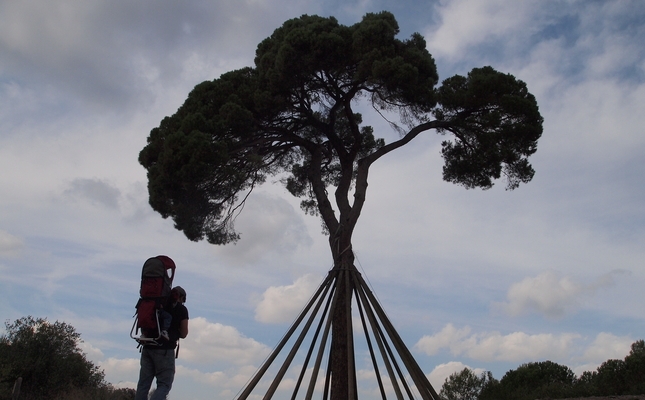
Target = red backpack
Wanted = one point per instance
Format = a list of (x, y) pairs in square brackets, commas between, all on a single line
[(156, 283)]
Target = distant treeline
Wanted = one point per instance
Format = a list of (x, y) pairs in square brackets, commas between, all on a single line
[(549, 380)]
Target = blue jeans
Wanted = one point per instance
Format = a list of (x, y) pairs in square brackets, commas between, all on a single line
[(164, 320), (157, 363)]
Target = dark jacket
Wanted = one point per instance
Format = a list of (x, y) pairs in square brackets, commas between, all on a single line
[(179, 313)]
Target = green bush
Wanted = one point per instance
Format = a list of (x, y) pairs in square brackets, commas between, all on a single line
[(618, 377), (533, 381), (548, 380), (635, 368), (47, 358), (464, 385)]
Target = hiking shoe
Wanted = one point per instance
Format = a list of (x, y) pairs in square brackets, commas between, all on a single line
[(164, 334)]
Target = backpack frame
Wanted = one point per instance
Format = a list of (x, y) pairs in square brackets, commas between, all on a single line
[(157, 275)]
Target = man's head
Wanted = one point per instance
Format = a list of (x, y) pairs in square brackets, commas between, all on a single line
[(178, 294)]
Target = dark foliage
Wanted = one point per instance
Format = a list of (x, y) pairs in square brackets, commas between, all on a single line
[(617, 377), (291, 114), (465, 385), (532, 381), (548, 380), (47, 358), (496, 123)]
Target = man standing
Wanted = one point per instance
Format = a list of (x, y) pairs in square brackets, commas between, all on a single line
[(159, 361)]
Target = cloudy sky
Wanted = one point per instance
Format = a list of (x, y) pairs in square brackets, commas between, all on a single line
[(487, 279)]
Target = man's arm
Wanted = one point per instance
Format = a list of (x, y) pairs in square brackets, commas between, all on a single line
[(183, 328)]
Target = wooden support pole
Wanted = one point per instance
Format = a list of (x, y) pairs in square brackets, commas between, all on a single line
[(16, 389)]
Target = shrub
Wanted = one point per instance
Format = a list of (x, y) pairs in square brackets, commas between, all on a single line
[(464, 385), (47, 358)]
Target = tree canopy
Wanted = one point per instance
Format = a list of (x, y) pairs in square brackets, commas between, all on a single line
[(549, 380), (465, 385), (292, 115), (47, 358), (619, 377)]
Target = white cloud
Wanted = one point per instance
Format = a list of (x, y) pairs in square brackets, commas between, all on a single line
[(216, 378), (550, 295), (607, 346), (96, 191), (610, 52), (92, 353), (10, 246), (96, 325), (102, 50), (122, 373), (282, 303), (493, 346), (268, 225), (448, 336), (229, 383), (442, 371), (210, 342), (465, 24)]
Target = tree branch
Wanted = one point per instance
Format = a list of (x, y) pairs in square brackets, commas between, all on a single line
[(414, 132)]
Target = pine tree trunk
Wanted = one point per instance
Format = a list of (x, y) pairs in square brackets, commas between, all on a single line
[(343, 372)]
